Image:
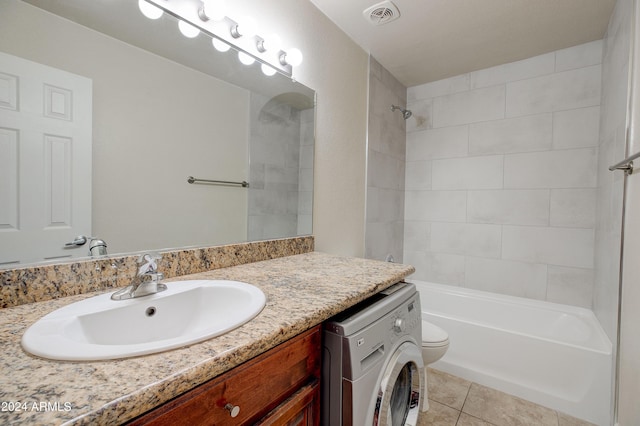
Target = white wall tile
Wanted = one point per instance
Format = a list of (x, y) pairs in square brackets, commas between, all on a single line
[(441, 268), (576, 128), (574, 168), (387, 133), (466, 238), (385, 205), (421, 117), (448, 142), (417, 235), (418, 175), (305, 203), (446, 206), (579, 56), (554, 246), (519, 70), (306, 157), (373, 201), (520, 141), (514, 207), (521, 134), (384, 238), (507, 277), (385, 171), (469, 107), (446, 86), (571, 286), (468, 173), (305, 224), (566, 90), (573, 208)]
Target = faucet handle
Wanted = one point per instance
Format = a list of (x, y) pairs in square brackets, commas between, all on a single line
[(148, 263)]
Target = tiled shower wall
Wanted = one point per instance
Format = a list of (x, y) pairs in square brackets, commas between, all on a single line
[(305, 172), (385, 165), (501, 177), (281, 169)]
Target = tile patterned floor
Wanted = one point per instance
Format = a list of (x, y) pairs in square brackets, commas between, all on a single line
[(457, 402)]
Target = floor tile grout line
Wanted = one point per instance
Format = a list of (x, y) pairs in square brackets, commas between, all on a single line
[(458, 418), (466, 396)]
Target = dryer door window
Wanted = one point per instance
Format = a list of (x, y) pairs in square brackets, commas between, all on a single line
[(400, 388), (401, 395)]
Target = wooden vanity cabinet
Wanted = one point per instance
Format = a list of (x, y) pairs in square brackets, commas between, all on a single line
[(279, 387)]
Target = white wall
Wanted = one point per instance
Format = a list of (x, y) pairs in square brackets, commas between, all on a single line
[(501, 177), (336, 68)]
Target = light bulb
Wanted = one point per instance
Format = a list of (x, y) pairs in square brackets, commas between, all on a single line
[(220, 45), (272, 43), (213, 9), (293, 57), (187, 29), (247, 27), (246, 59), (149, 10), (267, 70)]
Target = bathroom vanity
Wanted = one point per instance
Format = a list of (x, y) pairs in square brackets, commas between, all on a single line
[(269, 367), (277, 387)]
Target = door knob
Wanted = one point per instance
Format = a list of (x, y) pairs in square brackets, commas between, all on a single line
[(77, 241)]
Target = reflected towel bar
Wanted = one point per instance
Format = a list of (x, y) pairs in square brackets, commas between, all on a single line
[(626, 164), (243, 184)]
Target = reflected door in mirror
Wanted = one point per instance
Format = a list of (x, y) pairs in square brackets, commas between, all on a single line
[(45, 146)]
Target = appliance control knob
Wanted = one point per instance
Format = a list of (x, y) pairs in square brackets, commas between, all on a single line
[(398, 325)]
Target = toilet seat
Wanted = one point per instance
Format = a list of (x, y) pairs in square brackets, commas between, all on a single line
[(435, 344), (433, 336)]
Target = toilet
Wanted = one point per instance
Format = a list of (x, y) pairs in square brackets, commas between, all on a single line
[(435, 342)]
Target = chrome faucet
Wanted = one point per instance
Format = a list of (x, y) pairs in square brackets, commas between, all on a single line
[(145, 281)]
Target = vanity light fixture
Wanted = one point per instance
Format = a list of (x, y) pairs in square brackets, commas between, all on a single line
[(291, 57), (187, 29), (220, 45), (268, 70), (149, 10), (246, 59), (245, 28), (210, 17), (212, 9), (272, 43)]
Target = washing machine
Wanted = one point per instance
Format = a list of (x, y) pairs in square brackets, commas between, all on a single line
[(373, 373)]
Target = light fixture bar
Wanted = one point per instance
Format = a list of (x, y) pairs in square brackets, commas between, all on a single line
[(254, 46)]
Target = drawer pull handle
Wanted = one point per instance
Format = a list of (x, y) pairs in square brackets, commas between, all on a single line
[(234, 410)]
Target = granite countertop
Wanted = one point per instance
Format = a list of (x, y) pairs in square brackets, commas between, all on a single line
[(302, 291)]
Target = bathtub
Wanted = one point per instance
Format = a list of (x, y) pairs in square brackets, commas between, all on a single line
[(554, 355)]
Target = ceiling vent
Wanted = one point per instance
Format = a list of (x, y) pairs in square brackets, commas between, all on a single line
[(381, 13)]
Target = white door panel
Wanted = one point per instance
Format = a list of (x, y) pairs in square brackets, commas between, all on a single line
[(45, 160)]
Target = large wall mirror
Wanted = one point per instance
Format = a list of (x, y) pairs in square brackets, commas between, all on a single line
[(105, 114)]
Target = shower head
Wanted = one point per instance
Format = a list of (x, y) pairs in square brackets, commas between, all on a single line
[(405, 112)]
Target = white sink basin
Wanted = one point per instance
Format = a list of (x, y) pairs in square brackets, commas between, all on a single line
[(101, 328)]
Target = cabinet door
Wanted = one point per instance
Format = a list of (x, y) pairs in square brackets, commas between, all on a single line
[(301, 409), (245, 394)]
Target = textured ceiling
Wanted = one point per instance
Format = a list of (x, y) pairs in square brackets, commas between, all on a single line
[(435, 39)]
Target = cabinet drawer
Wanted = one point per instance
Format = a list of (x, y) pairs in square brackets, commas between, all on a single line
[(256, 387)]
